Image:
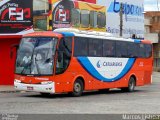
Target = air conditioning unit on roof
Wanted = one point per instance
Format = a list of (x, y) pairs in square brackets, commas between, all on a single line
[(84, 32)]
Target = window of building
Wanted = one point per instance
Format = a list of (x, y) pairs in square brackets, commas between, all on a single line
[(155, 63), (40, 8), (153, 19), (158, 62), (75, 17), (158, 19), (101, 22), (85, 18), (93, 19), (158, 53)]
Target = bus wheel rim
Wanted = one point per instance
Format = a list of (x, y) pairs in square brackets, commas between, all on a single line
[(77, 87), (132, 85)]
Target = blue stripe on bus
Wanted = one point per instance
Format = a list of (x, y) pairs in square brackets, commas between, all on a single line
[(67, 34), (87, 65), (137, 40)]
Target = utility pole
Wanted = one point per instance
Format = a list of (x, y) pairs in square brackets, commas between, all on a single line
[(121, 20), (157, 5)]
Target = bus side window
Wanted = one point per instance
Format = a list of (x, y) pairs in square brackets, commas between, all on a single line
[(95, 47), (108, 48), (121, 49), (64, 55), (142, 51), (132, 50), (148, 48), (80, 47)]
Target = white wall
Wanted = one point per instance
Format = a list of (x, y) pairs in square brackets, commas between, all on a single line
[(40, 5), (152, 37)]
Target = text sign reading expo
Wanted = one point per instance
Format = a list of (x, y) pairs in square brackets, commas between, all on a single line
[(133, 17)]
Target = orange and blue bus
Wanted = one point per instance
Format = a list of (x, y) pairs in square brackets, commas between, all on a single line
[(72, 61)]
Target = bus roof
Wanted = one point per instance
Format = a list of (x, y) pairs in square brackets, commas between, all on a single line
[(69, 32), (94, 34)]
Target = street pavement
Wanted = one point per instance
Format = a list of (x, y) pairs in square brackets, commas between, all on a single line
[(144, 100), (6, 88)]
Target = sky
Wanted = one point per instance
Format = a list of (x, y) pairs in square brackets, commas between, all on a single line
[(151, 5)]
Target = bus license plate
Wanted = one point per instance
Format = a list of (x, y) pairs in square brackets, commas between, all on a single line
[(29, 88)]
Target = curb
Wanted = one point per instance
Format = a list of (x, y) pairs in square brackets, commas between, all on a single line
[(9, 91)]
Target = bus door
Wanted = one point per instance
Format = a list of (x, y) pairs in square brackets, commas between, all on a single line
[(64, 53)]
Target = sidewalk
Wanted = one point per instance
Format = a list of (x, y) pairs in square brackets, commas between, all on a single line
[(7, 88), (157, 74)]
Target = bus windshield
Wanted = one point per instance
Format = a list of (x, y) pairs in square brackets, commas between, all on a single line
[(36, 56)]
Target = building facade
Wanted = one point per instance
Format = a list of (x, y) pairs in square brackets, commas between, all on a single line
[(152, 32)]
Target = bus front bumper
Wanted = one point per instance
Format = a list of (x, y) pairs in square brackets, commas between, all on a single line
[(44, 88)]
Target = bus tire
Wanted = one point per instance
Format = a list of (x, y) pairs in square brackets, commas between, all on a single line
[(78, 88), (45, 94), (131, 85), (103, 90)]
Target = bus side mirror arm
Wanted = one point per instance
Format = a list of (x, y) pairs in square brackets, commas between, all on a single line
[(59, 57), (15, 46)]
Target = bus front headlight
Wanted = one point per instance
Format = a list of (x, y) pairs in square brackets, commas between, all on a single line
[(17, 81)]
